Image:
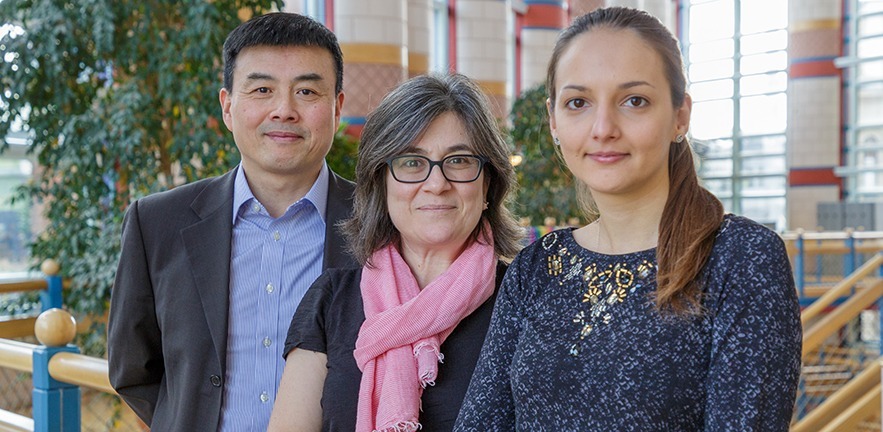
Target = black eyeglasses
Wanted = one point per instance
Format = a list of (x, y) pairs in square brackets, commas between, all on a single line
[(455, 168)]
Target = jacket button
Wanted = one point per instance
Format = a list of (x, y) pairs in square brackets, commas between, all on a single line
[(216, 380)]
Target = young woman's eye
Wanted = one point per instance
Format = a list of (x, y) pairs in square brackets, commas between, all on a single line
[(636, 101), (575, 103)]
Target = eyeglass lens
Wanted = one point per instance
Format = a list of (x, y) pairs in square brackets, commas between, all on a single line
[(455, 168)]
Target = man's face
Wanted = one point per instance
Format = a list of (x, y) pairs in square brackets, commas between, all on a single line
[(282, 109)]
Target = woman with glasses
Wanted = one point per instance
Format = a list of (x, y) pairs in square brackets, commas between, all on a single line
[(392, 345)]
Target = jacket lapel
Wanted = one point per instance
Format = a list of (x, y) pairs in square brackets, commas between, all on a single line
[(339, 207), (208, 244)]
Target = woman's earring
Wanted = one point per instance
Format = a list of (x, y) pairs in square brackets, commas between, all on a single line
[(679, 139), (557, 143), (485, 205)]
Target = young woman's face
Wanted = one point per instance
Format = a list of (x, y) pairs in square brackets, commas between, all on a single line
[(613, 113)]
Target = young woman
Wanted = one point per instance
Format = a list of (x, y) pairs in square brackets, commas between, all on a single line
[(662, 314)]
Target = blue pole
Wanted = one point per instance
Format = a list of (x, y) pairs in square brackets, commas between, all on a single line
[(56, 406), (52, 296), (849, 258), (799, 266)]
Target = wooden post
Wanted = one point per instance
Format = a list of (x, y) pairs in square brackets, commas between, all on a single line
[(56, 405)]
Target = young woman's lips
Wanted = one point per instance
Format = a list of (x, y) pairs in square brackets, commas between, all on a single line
[(607, 157)]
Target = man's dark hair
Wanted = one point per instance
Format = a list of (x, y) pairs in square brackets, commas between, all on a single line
[(280, 29)]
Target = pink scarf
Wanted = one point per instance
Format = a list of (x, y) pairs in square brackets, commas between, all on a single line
[(398, 345)]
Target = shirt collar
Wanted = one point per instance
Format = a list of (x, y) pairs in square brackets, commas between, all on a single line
[(317, 195)]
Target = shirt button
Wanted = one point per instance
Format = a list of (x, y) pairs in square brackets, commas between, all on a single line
[(276, 235), (216, 380), (267, 342), (265, 397), (270, 288), (256, 207)]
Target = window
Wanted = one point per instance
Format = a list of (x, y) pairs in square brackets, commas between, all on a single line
[(736, 59), (16, 168), (439, 60), (864, 102)]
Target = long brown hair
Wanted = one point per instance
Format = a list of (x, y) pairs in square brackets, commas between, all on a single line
[(692, 215)]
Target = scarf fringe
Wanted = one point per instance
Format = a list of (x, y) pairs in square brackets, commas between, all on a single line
[(403, 426)]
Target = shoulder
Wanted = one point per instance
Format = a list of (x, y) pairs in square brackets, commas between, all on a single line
[(338, 185), (546, 245), (182, 196), (740, 238)]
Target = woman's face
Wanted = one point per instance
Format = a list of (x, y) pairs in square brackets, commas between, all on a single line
[(613, 114), (436, 214)]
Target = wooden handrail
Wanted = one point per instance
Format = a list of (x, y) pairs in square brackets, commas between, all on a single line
[(17, 355), (840, 400), (81, 370), (841, 288), (12, 422), (23, 285), (833, 235), (868, 405), (834, 321)]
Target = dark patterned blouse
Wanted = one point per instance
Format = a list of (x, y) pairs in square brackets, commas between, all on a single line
[(576, 344)]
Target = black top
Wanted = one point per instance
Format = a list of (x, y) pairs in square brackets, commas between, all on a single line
[(577, 344), (328, 321)]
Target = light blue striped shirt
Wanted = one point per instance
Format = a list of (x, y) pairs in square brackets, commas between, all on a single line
[(273, 263)]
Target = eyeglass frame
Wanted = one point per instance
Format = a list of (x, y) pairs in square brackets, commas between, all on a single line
[(482, 161)]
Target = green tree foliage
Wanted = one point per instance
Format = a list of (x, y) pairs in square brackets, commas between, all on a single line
[(120, 99), (546, 187)]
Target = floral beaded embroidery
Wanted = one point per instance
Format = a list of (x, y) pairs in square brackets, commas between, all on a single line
[(605, 288)]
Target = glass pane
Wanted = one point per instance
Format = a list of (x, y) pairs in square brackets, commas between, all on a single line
[(763, 165), (15, 219), (716, 168), (719, 49), (872, 180), (728, 204), (872, 70), (760, 115), (872, 25), (868, 6), (763, 145), (719, 187), (763, 15), (870, 47), (764, 42), (870, 104), (870, 138), (760, 63), (713, 148), (713, 119), (710, 21), (765, 83), (763, 186), (711, 90), (711, 70), (870, 159), (768, 211)]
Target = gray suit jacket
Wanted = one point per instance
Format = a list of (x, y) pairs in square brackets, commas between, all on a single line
[(167, 330)]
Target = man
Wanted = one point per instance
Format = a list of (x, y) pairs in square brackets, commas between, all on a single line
[(211, 272)]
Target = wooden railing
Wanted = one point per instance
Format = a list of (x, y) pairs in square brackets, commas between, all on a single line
[(58, 370)]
